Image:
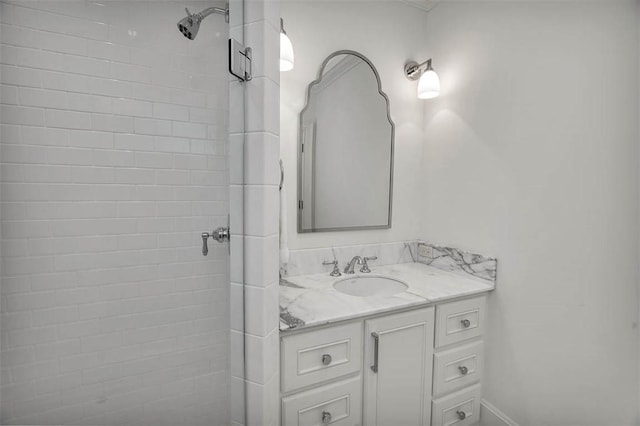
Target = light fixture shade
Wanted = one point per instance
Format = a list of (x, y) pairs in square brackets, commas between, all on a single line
[(286, 53), (428, 86)]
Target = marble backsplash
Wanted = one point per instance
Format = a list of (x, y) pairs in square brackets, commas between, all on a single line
[(458, 261), (309, 261)]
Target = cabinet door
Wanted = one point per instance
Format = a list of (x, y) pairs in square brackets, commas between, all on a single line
[(398, 369)]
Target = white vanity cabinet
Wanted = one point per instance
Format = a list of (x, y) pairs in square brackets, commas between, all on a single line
[(397, 369), (415, 367), (458, 362), (321, 376)]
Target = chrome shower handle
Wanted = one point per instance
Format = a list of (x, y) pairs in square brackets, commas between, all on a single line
[(220, 234), (205, 247), (281, 174)]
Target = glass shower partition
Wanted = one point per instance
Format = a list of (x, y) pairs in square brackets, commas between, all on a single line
[(114, 137)]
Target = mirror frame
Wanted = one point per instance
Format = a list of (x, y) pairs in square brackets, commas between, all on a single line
[(299, 148)]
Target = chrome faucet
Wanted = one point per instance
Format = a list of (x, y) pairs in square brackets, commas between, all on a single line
[(365, 266), (336, 269), (352, 263)]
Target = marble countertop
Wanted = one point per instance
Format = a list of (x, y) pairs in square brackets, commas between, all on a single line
[(311, 300)]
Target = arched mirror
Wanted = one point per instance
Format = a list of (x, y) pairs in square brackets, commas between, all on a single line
[(345, 149)]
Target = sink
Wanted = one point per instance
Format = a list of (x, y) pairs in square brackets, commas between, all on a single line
[(369, 286)]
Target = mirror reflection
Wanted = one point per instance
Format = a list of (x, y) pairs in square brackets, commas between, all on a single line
[(345, 152)]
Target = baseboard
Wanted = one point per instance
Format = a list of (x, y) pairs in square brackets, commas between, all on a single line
[(491, 416)]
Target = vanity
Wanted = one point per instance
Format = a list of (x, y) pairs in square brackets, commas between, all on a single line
[(414, 357), (387, 334)]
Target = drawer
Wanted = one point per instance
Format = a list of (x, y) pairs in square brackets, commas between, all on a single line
[(458, 321), (461, 408), (456, 368), (339, 403), (317, 356)]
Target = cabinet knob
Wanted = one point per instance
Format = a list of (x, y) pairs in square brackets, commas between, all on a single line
[(326, 417), (465, 323), (461, 415), (463, 370), (326, 359)]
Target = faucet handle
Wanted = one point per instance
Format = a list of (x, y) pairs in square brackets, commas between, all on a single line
[(336, 270), (365, 266)]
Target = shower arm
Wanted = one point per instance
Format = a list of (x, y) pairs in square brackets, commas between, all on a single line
[(208, 11)]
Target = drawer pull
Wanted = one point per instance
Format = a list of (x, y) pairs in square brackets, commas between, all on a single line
[(465, 323), (326, 359), (463, 370), (461, 415), (326, 417), (376, 343)]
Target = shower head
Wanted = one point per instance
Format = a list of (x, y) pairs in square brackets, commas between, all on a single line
[(190, 25)]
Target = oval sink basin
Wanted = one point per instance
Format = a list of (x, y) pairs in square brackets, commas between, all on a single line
[(369, 286)]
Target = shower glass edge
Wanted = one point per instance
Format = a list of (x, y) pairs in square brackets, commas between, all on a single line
[(237, 119)]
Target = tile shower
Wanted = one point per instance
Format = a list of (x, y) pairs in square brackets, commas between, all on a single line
[(114, 159)]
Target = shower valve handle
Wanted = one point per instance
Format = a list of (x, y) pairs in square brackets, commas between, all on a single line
[(220, 234), (205, 248)]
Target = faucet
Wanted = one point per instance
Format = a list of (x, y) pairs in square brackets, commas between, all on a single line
[(352, 263), (336, 270), (365, 266)]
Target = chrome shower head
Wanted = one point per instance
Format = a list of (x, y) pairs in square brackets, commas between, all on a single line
[(190, 25)]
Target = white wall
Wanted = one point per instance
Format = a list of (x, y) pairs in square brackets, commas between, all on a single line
[(531, 155), (114, 142), (388, 34)]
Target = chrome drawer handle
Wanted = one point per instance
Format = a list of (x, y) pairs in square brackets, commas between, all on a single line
[(461, 415), (326, 417), (326, 359), (465, 323), (463, 370), (376, 346)]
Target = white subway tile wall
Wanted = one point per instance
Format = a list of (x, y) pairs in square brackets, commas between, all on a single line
[(113, 161)]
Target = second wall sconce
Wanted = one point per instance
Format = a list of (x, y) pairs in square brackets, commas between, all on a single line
[(286, 49), (429, 84)]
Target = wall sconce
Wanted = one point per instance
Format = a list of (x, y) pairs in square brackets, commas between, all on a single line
[(429, 84), (286, 49)]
